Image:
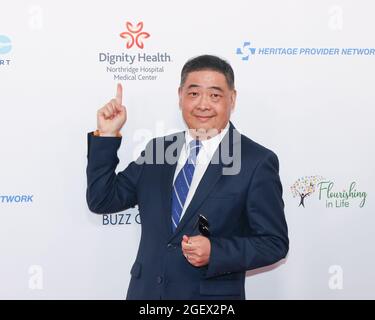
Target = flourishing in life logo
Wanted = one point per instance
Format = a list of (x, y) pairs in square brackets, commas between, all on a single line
[(326, 190), (134, 35), (305, 187)]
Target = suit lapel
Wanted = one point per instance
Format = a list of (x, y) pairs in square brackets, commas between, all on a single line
[(209, 179)]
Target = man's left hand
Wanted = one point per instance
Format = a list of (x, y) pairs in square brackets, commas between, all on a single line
[(196, 249)]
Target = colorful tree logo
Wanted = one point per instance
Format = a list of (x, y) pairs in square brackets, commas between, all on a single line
[(305, 187), (134, 35)]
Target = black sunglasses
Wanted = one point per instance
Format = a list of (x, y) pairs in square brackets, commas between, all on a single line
[(203, 226)]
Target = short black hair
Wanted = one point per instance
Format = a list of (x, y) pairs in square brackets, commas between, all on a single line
[(208, 62)]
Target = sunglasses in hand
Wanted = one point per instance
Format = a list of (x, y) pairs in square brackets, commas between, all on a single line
[(203, 226)]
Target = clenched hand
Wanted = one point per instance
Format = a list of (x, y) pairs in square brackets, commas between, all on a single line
[(196, 249)]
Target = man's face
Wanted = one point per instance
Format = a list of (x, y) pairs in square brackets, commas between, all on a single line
[(206, 101)]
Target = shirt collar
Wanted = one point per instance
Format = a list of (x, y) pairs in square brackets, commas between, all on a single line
[(209, 146)]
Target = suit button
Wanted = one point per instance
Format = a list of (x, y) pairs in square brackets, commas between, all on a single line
[(169, 245), (159, 279)]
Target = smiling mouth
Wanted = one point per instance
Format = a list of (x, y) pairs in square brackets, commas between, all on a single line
[(204, 118)]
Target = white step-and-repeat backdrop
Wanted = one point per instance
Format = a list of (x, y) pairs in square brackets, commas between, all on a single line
[(305, 81)]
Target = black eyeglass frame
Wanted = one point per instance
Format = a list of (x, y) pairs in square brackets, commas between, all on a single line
[(203, 226)]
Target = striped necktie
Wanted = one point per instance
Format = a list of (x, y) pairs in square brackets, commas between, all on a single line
[(182, 183)]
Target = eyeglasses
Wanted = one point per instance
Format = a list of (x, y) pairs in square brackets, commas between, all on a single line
[(203, 226)]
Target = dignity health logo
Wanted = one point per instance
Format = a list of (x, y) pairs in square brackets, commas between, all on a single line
[(134, 64), (5, 48), (327, 191), (246, 50), (134, 35)]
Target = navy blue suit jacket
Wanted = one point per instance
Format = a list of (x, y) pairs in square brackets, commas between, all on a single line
[(245, 212)]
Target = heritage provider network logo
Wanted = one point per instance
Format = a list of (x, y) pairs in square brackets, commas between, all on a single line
[(327, 191), (16, 198), (247, 50), (134, 64)]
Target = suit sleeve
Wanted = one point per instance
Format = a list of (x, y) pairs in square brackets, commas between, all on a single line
[(268, 240), (108, 192)]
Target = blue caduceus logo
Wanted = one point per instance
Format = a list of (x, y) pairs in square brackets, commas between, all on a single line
[(5, 44), (245, 51)]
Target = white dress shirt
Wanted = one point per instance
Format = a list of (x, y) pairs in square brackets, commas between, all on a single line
[(204, 157)]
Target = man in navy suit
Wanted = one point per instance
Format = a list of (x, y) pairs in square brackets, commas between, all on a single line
[(209, 198)]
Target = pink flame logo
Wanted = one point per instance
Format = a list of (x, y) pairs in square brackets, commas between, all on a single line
[(134, 35)]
